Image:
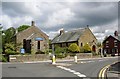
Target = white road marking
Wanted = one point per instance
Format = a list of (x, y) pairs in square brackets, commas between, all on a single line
[(101, 60), (91, 61), (72, 71)]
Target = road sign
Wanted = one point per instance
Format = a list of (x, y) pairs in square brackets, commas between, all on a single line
[(22, 50)]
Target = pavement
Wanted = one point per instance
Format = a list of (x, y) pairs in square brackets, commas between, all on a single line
[(114, 71)]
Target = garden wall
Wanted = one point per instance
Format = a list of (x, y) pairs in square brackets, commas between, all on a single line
[(43, 57), (21, 58)]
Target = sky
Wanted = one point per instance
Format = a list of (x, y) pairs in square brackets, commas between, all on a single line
[(50, 17)]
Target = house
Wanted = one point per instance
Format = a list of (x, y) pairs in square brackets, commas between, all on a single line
[(111, 45), (32, 39), (79, 36)]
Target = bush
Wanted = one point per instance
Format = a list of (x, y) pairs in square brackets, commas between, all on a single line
[(47, 51), (74, 48), (86, 48), (61, 52), (10, 49), (3, 59)]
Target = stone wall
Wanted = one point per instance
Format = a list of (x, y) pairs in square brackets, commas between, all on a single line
[(87, 55), (43, 57), (25, 58)]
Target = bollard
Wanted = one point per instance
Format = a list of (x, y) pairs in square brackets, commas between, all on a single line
[(75, 59), (53, 59)]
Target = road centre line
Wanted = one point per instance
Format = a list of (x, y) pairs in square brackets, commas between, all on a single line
[(72, 71)]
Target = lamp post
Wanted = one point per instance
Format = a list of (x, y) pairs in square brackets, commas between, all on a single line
[(101, 44)]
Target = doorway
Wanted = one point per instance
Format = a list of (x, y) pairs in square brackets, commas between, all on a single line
[(94, 48), (27, 45), (38, 45)]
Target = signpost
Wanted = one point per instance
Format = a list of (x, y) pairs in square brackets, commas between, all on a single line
[(22, 50)]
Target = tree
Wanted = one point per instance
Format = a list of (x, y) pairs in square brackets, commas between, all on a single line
[(99, 44), (10, 48), (9, 34), (23, 27), (74, 48), (86, 48)]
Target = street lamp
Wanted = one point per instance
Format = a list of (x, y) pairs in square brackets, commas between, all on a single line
[(101, 43)]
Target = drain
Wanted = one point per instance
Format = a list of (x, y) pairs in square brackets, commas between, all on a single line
[(12, 67)]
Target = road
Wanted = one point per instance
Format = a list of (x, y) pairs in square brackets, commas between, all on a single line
[(84, 68)]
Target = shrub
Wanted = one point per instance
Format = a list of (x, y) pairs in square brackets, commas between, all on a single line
[(86, 48), (47, 51), (74, 48), (3, 59), (10, 49), (61, 52)]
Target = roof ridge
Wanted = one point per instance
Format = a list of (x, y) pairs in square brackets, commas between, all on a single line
[(75, 30)]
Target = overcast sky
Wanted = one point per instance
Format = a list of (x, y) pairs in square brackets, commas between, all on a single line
[(102, 17)]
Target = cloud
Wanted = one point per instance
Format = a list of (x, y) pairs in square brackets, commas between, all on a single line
[(51, 16), (60, 17)]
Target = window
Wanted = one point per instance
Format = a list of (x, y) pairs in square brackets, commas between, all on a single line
[(107, 44), (115, 43)]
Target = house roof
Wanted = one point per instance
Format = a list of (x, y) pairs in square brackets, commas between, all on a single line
[(112, 37), (69, 36), (34, 28)]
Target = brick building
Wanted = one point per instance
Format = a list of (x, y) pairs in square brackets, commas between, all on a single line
[(79, 36), (32, 39), (111, 45)]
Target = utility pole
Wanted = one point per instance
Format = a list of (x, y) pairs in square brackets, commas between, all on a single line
[(101, 43)]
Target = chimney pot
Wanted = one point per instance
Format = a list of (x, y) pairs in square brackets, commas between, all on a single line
[(116, 34), (33, 23), (61, 31)]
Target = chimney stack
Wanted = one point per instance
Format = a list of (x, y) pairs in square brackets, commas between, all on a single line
[(87, 26), (33, 23), (61, 31), (116, 34)]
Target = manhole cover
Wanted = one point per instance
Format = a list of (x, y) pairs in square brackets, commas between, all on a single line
[(12, 67)]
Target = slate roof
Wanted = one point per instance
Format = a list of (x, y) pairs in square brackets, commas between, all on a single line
[(119, 37), (112, 37), (69, 36)]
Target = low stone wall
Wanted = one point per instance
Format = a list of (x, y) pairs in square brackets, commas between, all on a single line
[(43, 57), (21, 58), (84, 55)]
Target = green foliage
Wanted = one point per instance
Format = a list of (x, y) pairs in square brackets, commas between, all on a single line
[(23, 27), (10, 49), (47, 51), (74, 48), (86, 48), (61, 52), (9, 34), (99, 44), (3, 59)]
